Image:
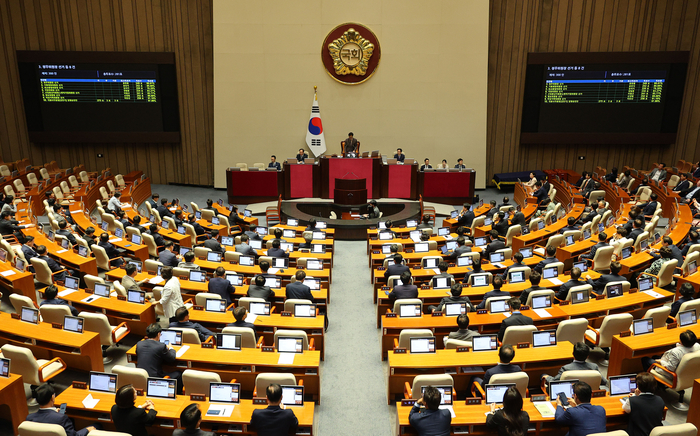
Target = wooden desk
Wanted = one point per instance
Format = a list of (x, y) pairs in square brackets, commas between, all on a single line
[(182, 240), (67, 258), (80, 351), (541, 235), (251, 271), (245, 365), (452, 222), (12, 405), (138, 194), (169, 413), (15, 281), (250, 221), (694, 411)]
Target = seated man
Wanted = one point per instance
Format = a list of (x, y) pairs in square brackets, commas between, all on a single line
[(47, 413), (190, 419), (460, 164), (151, 354), (29, 251), (460, 249), (535, 279), (167, 257), (649, 207), (8, 226), (466, 216), (551, 258), (63, 231), (456, 291), (302, 155), (582, 417), (571, 225), (614, 276), (443, 267), (350, 146), (676, 252), (244, 248), (427, 418), (50, 297), (110, 250), (373, 210), (163, 210), (540, 192), (517, 263), (687, 294), (157, 237), (259, 290), (264, 268), (515, 319), (198, 229), (188, 261), (239, 314), (463, 334), (406, 290), (129, 280), (183, 321), (53, 265), (671, 358), (506, 354), (495, 244), (274, 164), (219, 285), (136, 223), (574, 281), (693, 238), (399, 156), (276, 251), (602, 238), (500, 224), (308, 237), (273, 420), (581, 352), (425, 223), (426, 164), (645, 408), (397, 268), (298, 290), (476, 269), (212, 243), (497, 284)]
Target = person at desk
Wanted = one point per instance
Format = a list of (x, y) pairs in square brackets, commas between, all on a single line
[(455, 297), (443, 267), (373, 210), (170, 297), (649, 207), (517, 263), (302, 155), (52, 264), (496, 292), (604, 279), (687, 294), (50, 297), (602, 238), (9, 205), (157, 237), (466, 216), (276, 251), (167, 257), (572, 282), (624, 179), (655, 266), (676, 252), (426, 165), (182, 316), (540, 192), (582, 417), (581, 352), (425, 223), (114, 204), (506, 202), (460, 164), (637, 229), (399, 156), (460, 249), (551, 258), (151, 354), (63, 231), (188, 261), (430, 420), (210, 204), (136, 223), (350, 145), (535, 279), (532, 181), (684, 184), (47, 414), (397, 268), (659, 173), (259, 290), (274, 164), (570, 225), (155, 198), (645, 409), (518, 218), (311, 226), (515, 319), (693, 238), (298, 290), (476, 269), (198, 229), (545, 207), (306, 245), (443, 165), (89, 236), (129, 280), (163, 210), (500, 224), (191, 419), (463, 333), (693, 194), (219, 285), (111, 252), (511, 420), (236, 220), (274, 421), (264, 267), (239, 314), (28, 249), (495, 244), (506, 354), (671, 358), (8, 226), (404, 290), (244, 248)]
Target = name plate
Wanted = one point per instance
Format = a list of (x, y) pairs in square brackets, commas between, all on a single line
[(625, 334), (524, 307), (523, 345), (472, 401), (564, 303), (438, 314), (388, 315), (198, 397), (139, 392), (400, 351), (259, 401), (15, 316), (79, 385), (57, 325), (197, 307), (121, 298), (599, 297), (425, 286), (267, 349), (462, 349), (481, 311), (672, 325), (409, 402), (534, 398), (599, 393), (207, 345), (285, 313)]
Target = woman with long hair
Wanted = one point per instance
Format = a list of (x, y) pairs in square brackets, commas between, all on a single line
[(511, 420)]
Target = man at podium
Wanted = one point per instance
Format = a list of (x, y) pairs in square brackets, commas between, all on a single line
[(302, 155), (350, 146)]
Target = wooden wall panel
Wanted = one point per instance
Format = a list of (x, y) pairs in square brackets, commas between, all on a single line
[(522, 26), (180, 26)]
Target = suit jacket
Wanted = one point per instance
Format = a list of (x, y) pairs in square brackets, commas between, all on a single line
[(493, 247), (164, 211), (133, 420), (221, 286), (214, 246), (196, 432), (395, 270), (188, 265), (646, 412), (400, 157), (29, 252), (198, 229), (59, 302), (492, 294), (603, 280), (130, 284), (50, 416), (541, 194), (501, 227), (461, 335), (7, 227), (404, 291), (634, 234), (241, 324), (277, 252), (515, 265), (564, 288), (68, 235), (515, 319), (151, 355), (579, 366), (275, 165), (203, 332), (157, 238), (423, 167), (582, 420), (684, 251), (263, 292), (168, 258), (298, 291), (245, 249), (274, 421), (109, 249), (53, 265), (569, 228), (350, 145), (594, 248), (301, 157), (661, 173), (501, 368), (683, 186), (428, 422), (459, 250), (649, 208), (465, 219)]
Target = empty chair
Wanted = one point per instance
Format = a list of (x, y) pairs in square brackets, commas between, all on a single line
[(572, 330), (520, 378), (688, 370), (265, 379), (109, 334), (208, 214), (197, 382), (30, 428), (404, 340), (44, 174), (33, 371), (19, 301), (131, 376), (247, 335), (193, 205), (659, 315), (518, 333), (306, 343), (243, 166), (592, 377), (151, 265), (54, 313), (201, 298), (686, 429), (31, 178), (414, 390), (456, 343), (612, 325), (5, 171), (90, 281)]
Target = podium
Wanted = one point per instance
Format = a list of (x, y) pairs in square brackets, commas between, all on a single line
[(350, 191)]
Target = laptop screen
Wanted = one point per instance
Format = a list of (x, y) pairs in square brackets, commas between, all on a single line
[(280, 262), (181, 229), (103, 382), (305, 310), (692, 268), (318, 248), (548, 273), (184, 250), (480, 241), (136, 296), (485, 343), (516, 276), (409, 310), (445, 394), (544, 338), (386, 248), (442, 283), (385, 236), (313, 283), (4, 367), (453, 214), (626, 252), (496, 257), (422, 345), (430, 263), (288, 233), (313, 264), (540, 225), (498, 306), (72, 282), (260, 230), (215, 305), (524, 230), (319, 236), (82, 251), (292, 222), (102, 289), (246, 260), (292, 395), (565, 386), (161, 388), (64, 244), (488, 221), (287, 246), (247, 213), (464, 261), (259, 308), (415, 235), (227, 341), (224, 393), (255, 244), (542, 302), (420, 247), (227, 241), (495, 392), (290, 345), (381, 225), (623, 384), (526, 252), (234, 279), (614, 290), (137, 264), (643, 326), (479, 280), (579, 297), (30, 315), (213, 256), (643, 244), (444, 231), (273, 282), (646, 284), (570, 240), (198, 276), (455, 309), (172, 337), (135, 239), (687, 317), (73, 324), (583, 266), (321, 225)]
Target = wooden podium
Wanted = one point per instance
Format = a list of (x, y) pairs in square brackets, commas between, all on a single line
[(350, 191)]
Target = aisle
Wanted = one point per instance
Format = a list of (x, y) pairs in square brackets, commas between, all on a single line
[(353, 380)]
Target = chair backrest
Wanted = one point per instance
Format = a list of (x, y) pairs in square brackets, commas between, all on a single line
[(602, 258), (100, 257), (208, 214), (535, 224), (289, 303), (520, 378), (590, 376), (243, 166), (644, 236), (686, 429), (625, 286), (130, 231), (30, 428), (559, 265), (265, 379), (90, 281), (19, 301), (548, 217), (23, 363), (201, 298), (72, 180), (293, 334), (201, 252), (584, 287), (5, 171), (31, 178), (688, 305), (44, 174), (651, 226), (197, 382), (595, 196), (552, 192), (245, 301), (247, 335), (429, 380), (613, 325), (406, 335), (110, 186), (455, 343), (572, 330), (398, 303), (109, 218), (644, 194), (151, 265), (119, 289), (189, 336), (151, 244), (659, 315), (478, 222), (120, 180), (98, 323), (666, 273), (84, 176), (518, 333), (42, 271), (673, 181), (507, 252), (131, 376), (534, 294), (182, 273), (19, 186), (54, 312), (233, 256), (687, 371), (103, 193)]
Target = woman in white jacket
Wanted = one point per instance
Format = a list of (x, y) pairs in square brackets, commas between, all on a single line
[(170, 298)]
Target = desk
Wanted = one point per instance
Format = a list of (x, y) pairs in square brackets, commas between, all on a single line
[(400, 181), (245, 187), (357, 168), (302, 180), (694, 411), (80, 351), (139, 194), (19, 282), (169, 413), (250, 221), (67, 258), (245, 365), (452, 222), (449, 187), (182, 240), (12, 405), (552, 229)]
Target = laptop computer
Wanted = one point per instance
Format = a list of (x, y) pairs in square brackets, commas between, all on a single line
[(259, 308), (229, 393), (292, 395), (280, 262), (485, 342), (260, 230), (30, 315), (692, 267), (247, 213), (441, 283), (319, 236), (565, 386), (422, 345), (215, 220), (643, 326), (626, 252), (444, 231), (526, 252), (386, 236), (228, 341), (273, 282), (255, 244), (103, 382), (570, 240), (411, 223), (495, 392), (313, 283), (286, 344), (409, 311), (453, 214), (419, 247), (516, 276), (579, 297), (293, 222), (540, 225), (318, 248), (234, 279), (496, 257), (498, 306), (464, 261), (455, 309), (72, 282), (544, 338), (305, 310), (20, 264), (586, 234), (614, 290), (197, 276), (622, 384), (215, 305), (213, 256), (136, 296), (161, 388), (645, 284), (172, 337), (480, 241), (103, 289), (82, 251), (687, 317), (73, 323), (227, 241), (430, 263), (583, 266), (381, 225), (184, 250), (542, 302), (321, 225), (246, 260), (137, 264), (478, 280), (524, 230), (4, 367), (551, 272), (488, 221)]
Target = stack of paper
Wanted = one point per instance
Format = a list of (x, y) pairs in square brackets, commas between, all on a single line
[(653, 294), (556, 281), (542, 313), (7, 273), (66, 292), (545, 408), (156, 280), (251, 317), (89, 402), (220, 410), (286, 358)]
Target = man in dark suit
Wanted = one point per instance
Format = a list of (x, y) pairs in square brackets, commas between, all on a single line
[(163, 210), (244, 248), (476, 269), (535, 279), (460, 164), (460, 248), (198, 229), (614, 276), (220, 286), (274, 421), (8, 226), (157, 237), (298, 290), (506, 354), (588, 214), (649, 207), (551, 258), (540, 192), (212, 243), (190, 419), (63, 231), (463, 333), (397, 268), (602, 242), (53, 265), (693, 238), (676, 252), (517, 263), (571, 225), (167, 257), (683, 185), (399, 156), (259, 290), (425, 223), (516, 318), (276, 251), (581, 352), (47, 414), (155, 198), (495, 244), (239, 314), (426, 164), (692, 194), (492, 209), (136, 223), (637, 229), (151, 354), (274, 164), (183, 321), (500, 224), (574, 281), (497, 284), (89, 236), (456, 297), (302, 155), (466, 216), (28, 249), (50, 297), (582, 417), (351, 144), (407, 290), (430, 420)]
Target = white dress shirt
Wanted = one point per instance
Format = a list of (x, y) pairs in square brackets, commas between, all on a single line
[(171, 299)]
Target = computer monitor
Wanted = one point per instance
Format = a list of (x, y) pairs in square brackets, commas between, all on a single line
[(255, 244), (643, 326), (246, 260), (451, 245), (102, 289), (293, 222), (551, 272), (184, 250), (234, 279), (118, 232), (579, 297), (614, 290), (495, 392), (260, 230), (161, 388), (215, 305), (480, 241), (586, 234), (445, 394), (137, 264), (496, 257), (453, 214), (419, 247), (321, 225), (583, 266), (381, 225), (411, 223), (385, 236), (280, 262), (542, 302), (4, 367), (444, 231), (687, 317), (488, 221), (20, 264), (181, 229), (305, 310), (314, 264), (692, 267), (442, 283), (540, 225), (72, 282), (545, 338), (464, 261), (172, 337), (524, 230), (498, 306), (485, 342), (570, 240), (73, 323), (82, 251), (273, 282), (565, 386), (215, 220), (479, 280), (319, 236), (198, 276), (386, 248), (103, 382), (526, 252), (626, 252), (422, 345), (286, 344), (227, 241), (228, 341), (104, 226), (259, 308), (247, 213), (224, 393), (643, 244), (213, 256), (318, 248), (64, 244), (292, 395), (622, 384), (430, 262), (516, 276), (136, 296), (409, 311), (287, 246), (455, 309)]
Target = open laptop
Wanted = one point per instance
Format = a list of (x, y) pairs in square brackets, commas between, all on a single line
[(497, 257), (544, 338), (137, 264), (229, 393), (565, 386), (280, 262), (321, 225), (73, 323), (135, 239), (418, 247), (20, 264), (255, 244), (542, 302), (30, 315), (692, 267), (292, 395), (318, 248), (228, 341), (227, 241), (485, 342), (103, 289), (643, 244), (246, 260), (643, 326), (161, 388), (273, 282), (172, 337), (136, 296), (234, 279), (586, 234), (411, 223), (551, 272), (455, 309), (313, 264), (313, 283), (259, 308), (4, 367), (626, 252), (446, 394), (453, 214), (198, 276), (622, 384), (287, 246), (287, 344), (464, 261), (583, 266), (526, 252), (687, 317), (262, 231), (213, 256), (409, 311), (441, 283), (480, 241), (579, 297), (430, 262), (422, 345), (215, 305), (288, 233), (570, 240), (247, 213), (305, 310), (386, 248), (478, 280), (540, 225), (444, 231), (386, 236), (103, 382), (72, 282), (645, 284), (495, 392), (184, 250), (614, 290), (319, 236), (82, 251), (498, 306), (292, 222), (516, 276)]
